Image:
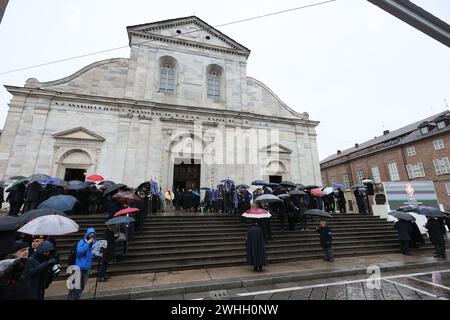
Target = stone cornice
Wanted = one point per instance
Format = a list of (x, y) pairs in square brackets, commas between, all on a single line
[(120, 104)]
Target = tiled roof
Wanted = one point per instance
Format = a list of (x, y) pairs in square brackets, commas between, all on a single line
[(390, 136)]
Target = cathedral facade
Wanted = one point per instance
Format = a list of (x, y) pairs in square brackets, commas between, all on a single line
[(181, 111)]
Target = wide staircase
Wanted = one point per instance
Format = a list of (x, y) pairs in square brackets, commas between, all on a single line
[(167, 243)]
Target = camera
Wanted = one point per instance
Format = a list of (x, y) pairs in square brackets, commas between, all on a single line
[(56, 269)]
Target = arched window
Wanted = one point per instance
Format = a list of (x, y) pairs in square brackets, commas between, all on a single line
[(214, 77), (167, 74)]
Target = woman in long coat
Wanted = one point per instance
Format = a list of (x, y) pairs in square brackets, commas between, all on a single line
[(256, 249)]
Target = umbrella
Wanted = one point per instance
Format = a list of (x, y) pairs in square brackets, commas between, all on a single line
[(113, 188), (243, 186), (112, 182), (90, 183), (62, 183), (38, 177), (8, 223), (119, 220), (24, 181), (95, 177), (17, 178), (196, 193), (288, 184), (328, 190), (429, 211), (359, 186), (407, 208), (125, 197), (51, 225), (311, 186), (126, 211), (78, 186), (300, 186), (227, 181), (205, 188), (402, 215), (267, 198), (272, 184), (317, 192), (255, 213), (318, 212), (283, 196), (259, 183), (33, 214), (62, 203), (367, 181), (340, 186), (52, 180), (75, 182), (7, 239), (297, 193)]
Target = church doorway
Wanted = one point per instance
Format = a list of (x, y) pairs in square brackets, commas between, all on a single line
[(275, 179), (75, 174), (186, 174)]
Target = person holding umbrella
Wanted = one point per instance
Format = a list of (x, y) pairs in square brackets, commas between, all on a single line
[(341, 201), (84, 257), (436, 237), (15, 199), (404, 231), (255, 244), (39, 265), (326, 237)]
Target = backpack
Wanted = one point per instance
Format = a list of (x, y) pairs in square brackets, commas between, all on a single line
[(71, 259)]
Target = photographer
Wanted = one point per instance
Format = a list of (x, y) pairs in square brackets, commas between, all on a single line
[(39, 265)]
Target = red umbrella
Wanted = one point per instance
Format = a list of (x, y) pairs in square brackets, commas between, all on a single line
[(256, 213), (125, 197), (317, 192), (95, 177), (126, 211)]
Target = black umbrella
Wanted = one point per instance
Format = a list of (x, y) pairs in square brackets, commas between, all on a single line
[(300, 186), (22, 181), (402, 215), (318, 213), (109, 182), (79, 186), (243, 186), (33, 214), (272, 184), (114, 188), (63, 184), (283, 196), (9, 223), (206, 188), (430, 211), (7, 239), (288, 184), (259, 183), (38, 177), (73, 182), (119, 220), (297, 193), (17, 178), (407, 208)]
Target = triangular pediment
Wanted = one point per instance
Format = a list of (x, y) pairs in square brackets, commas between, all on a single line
[(188, 31), (276, 148), (79, 133)]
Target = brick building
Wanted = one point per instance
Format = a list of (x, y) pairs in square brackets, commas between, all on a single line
[(419, 151)]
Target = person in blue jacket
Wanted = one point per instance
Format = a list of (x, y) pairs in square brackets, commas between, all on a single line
[(83, 260)]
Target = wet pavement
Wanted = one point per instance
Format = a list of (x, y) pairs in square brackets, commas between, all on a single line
[(411, 285)]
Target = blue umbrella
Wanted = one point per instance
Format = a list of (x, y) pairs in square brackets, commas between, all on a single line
[(119, 220), (52, 180), (227, 181), (196, 193), (407, 208), (259, 183), (75, 182), (61, 203), (341, 186), (430, 211)]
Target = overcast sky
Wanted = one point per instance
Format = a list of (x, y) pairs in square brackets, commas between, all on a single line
[(353, 67)]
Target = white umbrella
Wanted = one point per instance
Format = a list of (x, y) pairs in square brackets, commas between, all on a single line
[(51, 225), (267, 198), (328, 190)]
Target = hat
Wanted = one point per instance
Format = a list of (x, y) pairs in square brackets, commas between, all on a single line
[(39, 237), (18, 246)]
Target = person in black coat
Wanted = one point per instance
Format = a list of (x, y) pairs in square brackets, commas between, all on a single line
[(279, 208), (15, 199), (111, 235), (13, 282), (188, 200), (37, 270), (93, 199), (265, 224), (416, 235), (341, 201), (32, 195), (256, 249), (326, 238), (404, 231), (436, 237)]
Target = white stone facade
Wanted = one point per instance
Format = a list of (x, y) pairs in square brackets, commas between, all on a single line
[(110, 117)]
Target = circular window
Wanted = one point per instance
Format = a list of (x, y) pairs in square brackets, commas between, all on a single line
[(208, 37), (178, 31)]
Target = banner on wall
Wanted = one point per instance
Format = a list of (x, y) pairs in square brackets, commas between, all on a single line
[(416, 193)]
